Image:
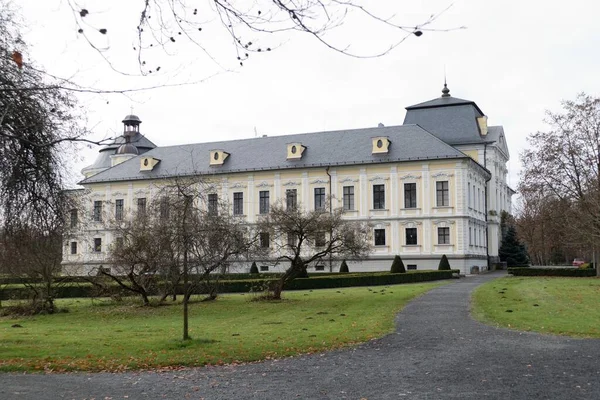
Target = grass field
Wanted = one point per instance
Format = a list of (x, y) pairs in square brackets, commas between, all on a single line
[(104, 335), (554, 305)]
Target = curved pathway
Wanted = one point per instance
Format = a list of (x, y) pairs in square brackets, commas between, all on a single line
[(437, 352)]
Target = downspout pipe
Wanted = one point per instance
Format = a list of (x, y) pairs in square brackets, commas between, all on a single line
[(487, 250), (330, 213)]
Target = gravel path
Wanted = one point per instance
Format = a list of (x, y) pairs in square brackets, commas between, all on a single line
[(437, 352)]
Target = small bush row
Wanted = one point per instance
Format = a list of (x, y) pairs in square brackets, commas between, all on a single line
[(531, 271), (257, 285)]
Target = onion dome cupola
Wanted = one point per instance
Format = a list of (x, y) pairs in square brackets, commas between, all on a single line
[(129, 144)]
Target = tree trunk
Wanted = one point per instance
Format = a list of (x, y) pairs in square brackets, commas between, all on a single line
[(186, 296)]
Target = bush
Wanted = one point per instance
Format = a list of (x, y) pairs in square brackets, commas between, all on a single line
[(573, 272), (254, 268), (397, 266), (444, 264), (344, 268), (259, 285)]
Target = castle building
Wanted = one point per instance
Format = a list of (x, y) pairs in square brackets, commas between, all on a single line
[(432, 186)]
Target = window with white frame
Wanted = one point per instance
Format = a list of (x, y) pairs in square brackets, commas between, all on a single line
[(119, 210), (348, 198), (379, 235), (443, 235), (411, 236), (263, 202), (442, 194), (238, 203), (410, 195), (378, 197), (319, 198)]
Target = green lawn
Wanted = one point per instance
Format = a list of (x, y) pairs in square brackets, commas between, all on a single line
[(104, 335), (554, 305)]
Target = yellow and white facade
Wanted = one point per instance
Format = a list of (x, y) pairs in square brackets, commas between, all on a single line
[(423, 195)]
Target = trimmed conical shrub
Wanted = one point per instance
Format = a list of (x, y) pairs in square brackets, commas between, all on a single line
[(344, 268), (397, 266), (254, 268), (444, 264)]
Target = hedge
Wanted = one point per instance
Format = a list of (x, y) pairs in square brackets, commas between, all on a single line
[(530, 271), (248, 285)]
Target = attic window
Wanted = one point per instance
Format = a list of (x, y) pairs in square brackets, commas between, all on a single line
[(295, 151), (381, 145), (217, 157), (148, 163)]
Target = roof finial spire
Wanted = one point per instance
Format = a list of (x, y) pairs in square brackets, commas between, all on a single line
[(445, 90)]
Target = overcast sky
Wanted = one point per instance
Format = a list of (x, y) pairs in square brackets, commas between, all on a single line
[(515, 59)]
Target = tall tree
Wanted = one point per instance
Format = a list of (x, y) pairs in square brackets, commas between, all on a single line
[(564, 161), (512, 251)]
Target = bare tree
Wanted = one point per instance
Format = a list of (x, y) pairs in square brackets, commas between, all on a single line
[(302, 237), (251, 26), (145, 254), (564, 161)]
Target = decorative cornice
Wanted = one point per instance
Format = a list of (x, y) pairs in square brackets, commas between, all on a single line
[(411, 224), (348, 179), (409, 176), (237, 185), (379, 178), (440, 174), (291, 183), (97, 194), (264, 184), (443, 222), (115, 194), (320, 181), (140, 191)]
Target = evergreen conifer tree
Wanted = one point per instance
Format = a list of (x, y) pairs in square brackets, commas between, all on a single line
[(344, 268), (444, 264), (397, 266), (512, 250)]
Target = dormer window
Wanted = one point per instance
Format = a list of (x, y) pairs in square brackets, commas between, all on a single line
[(148, 163), (218, 157), (381, 145), (483, 127), (295, 151)]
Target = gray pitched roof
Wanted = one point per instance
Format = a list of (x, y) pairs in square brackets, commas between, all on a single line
[(454, 123), (346, 147), (103, 160), (496, 135)]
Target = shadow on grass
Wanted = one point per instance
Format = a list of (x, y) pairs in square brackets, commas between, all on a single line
[(186, 344)]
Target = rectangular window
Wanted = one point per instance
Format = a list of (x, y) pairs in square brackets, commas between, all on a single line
[(264, 239), (264, 268), (97, 211), (238, 203), (291, 199), (379, 237), (348, 198), (263, 202), (119, 209), (443, 235), (470, 236), (319, 198), (97, 245), (319, 268), (74, 218), (411, 236), (411, 266), (469, 194), (443, 195), (378, 197), (320, 239), (164, 208), (73, 247), (410, 195), (213, 202), (141, 206), (291, 239)]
